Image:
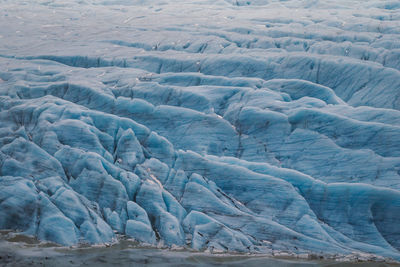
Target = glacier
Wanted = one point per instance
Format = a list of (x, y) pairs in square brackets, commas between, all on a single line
[(225, 126)]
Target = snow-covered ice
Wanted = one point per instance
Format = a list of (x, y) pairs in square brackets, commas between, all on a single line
[(228, 126)]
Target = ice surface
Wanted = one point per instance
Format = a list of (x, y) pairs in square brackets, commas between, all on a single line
[(226, 126)]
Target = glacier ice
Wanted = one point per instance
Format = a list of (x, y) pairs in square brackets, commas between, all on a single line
[(254, 131)]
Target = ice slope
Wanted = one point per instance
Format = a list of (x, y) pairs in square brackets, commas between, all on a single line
[(233, 126)]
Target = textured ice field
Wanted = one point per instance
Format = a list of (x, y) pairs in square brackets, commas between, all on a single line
[(230, 126)]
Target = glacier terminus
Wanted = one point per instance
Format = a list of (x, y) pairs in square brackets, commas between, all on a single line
[(229, 126)]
